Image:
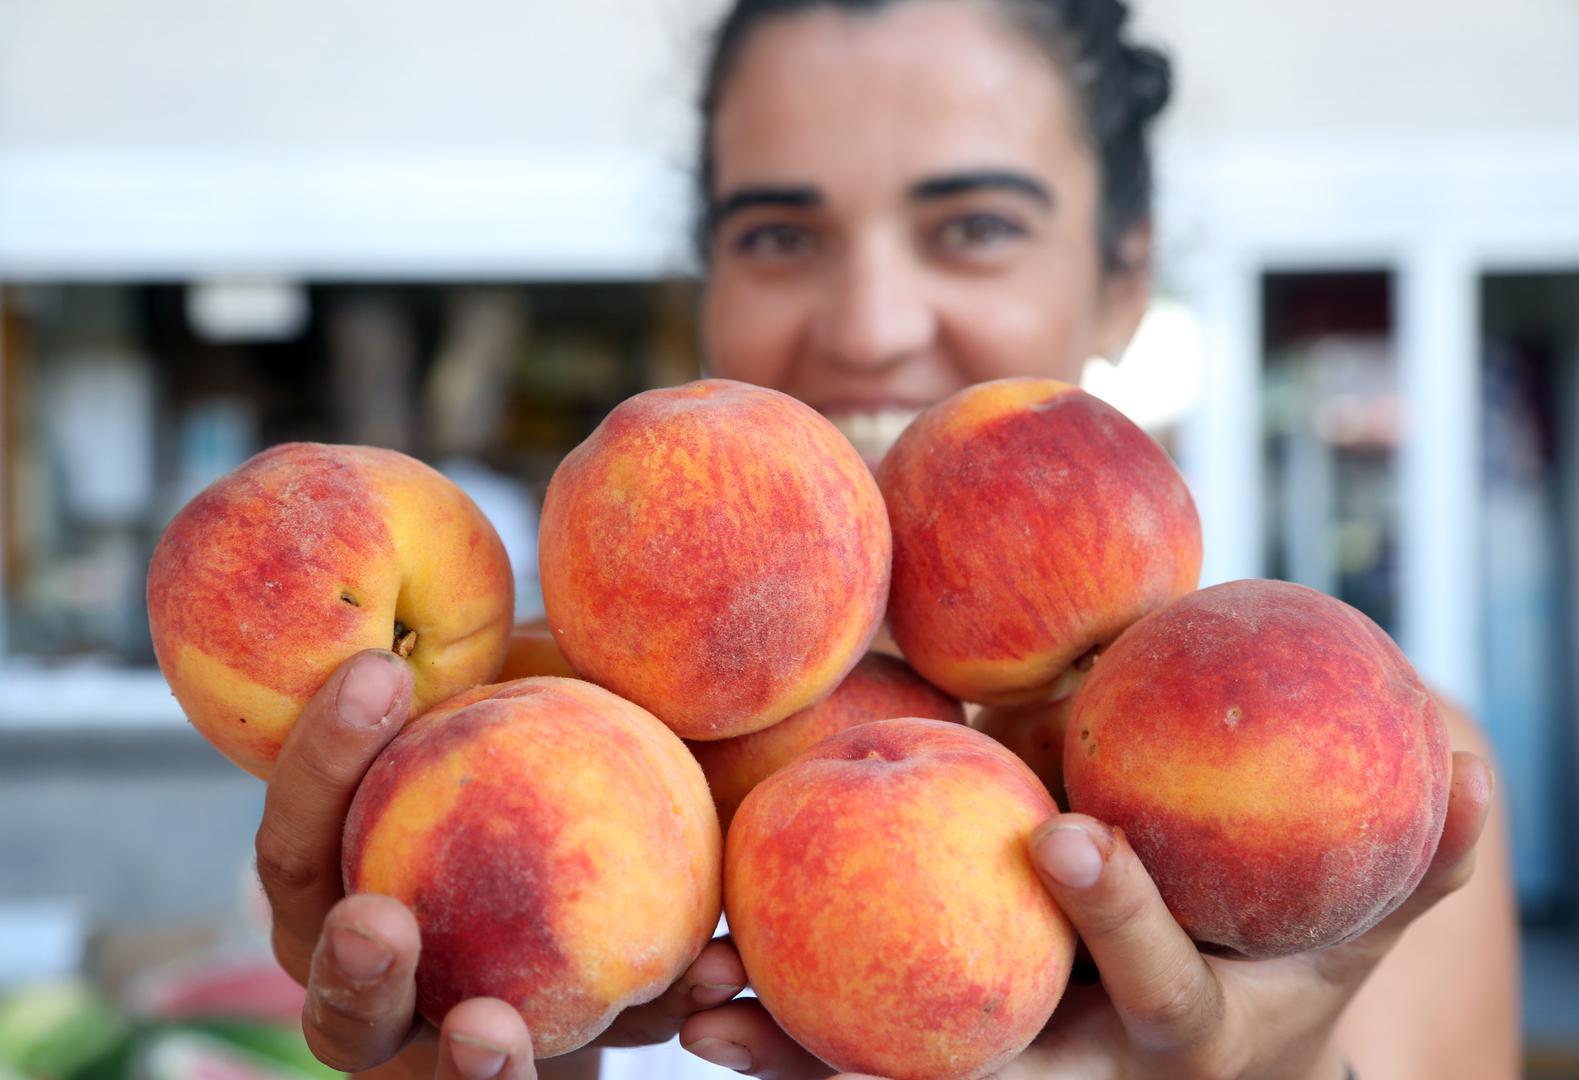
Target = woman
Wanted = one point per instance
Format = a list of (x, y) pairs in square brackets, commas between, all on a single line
[(901, 199)]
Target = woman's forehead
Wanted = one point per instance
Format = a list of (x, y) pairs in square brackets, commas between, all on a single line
[(920, 87)]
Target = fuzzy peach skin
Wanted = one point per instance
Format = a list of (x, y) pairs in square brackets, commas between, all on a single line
[(1274, 760), (1035, 734), (880, 891), (1032, 523), (878, 688), (305, 555), (557, 845), (533, 651), (717, 553)]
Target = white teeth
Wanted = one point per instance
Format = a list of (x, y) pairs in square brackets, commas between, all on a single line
[(872, 433)]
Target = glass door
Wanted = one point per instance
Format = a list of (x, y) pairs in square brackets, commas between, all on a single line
[(1331, 427), (1530, 570)]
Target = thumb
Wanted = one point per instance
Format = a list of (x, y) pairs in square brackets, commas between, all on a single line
[(341, 730), (743, 1036), (1163, 989), (1469, 803)]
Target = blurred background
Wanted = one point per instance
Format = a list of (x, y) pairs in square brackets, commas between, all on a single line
[(460, 231)]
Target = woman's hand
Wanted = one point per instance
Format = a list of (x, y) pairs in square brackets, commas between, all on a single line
[(357, 955), (1162, 1009)]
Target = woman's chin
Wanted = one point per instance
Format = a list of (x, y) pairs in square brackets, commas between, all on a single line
[(872, 432)]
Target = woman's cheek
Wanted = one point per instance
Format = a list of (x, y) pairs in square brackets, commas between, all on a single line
[(1001, 335), (747, 336)]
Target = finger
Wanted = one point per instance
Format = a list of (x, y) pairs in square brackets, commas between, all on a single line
[(1161, 986), (361, 992), (339, 733), (715, 976), (742, 1036), (1469, 803), (484, 1038)]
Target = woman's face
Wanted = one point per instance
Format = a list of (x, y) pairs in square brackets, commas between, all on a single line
[(905, 204)]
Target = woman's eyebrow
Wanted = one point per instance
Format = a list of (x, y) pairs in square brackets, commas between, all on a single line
[(745, 198), (942, 187)]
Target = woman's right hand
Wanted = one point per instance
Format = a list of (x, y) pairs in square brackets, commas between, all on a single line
[(357, 955), (1162, 1009)]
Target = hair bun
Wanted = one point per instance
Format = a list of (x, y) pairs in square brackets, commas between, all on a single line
[(1100, 22), (1141, 76), (1150, 78)]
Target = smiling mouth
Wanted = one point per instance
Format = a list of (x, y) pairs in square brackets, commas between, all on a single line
[(872, 432)]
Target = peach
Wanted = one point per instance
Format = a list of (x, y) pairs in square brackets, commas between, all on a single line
[(878, 688), (717, 553), (1032, 523), (557, 845), (306, 554), (1275, 761), (880, 891), (1035, 734), (533, 651)]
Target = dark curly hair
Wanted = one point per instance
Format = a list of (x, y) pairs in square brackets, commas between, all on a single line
[(1120, 88)]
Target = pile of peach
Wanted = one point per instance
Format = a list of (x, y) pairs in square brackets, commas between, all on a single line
[(716, 563)]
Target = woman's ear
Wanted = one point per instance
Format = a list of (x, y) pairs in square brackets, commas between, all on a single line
[(1126, 291)]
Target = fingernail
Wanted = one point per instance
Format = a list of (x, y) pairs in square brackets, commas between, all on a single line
[(368, 692), (359, 955), (475, 1059), (729, 1055), (1068, 854), (713, 993)]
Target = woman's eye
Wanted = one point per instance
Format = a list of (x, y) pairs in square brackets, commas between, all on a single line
[(776, 241), (974, 231)]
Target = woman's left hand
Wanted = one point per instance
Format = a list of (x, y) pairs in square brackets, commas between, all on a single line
[(1162, 1009)]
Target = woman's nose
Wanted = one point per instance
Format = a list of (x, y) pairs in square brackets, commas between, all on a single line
[(876, 312)]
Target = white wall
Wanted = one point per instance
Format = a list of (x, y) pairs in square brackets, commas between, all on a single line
[(554, 137), (348, 74), (507, 73), (1369, 68), (179, 138)]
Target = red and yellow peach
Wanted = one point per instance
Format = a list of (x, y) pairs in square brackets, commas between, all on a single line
[(557, 844), (305, 555), (1032, 523), (717, 553), (881, 893), (1274, 760)]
